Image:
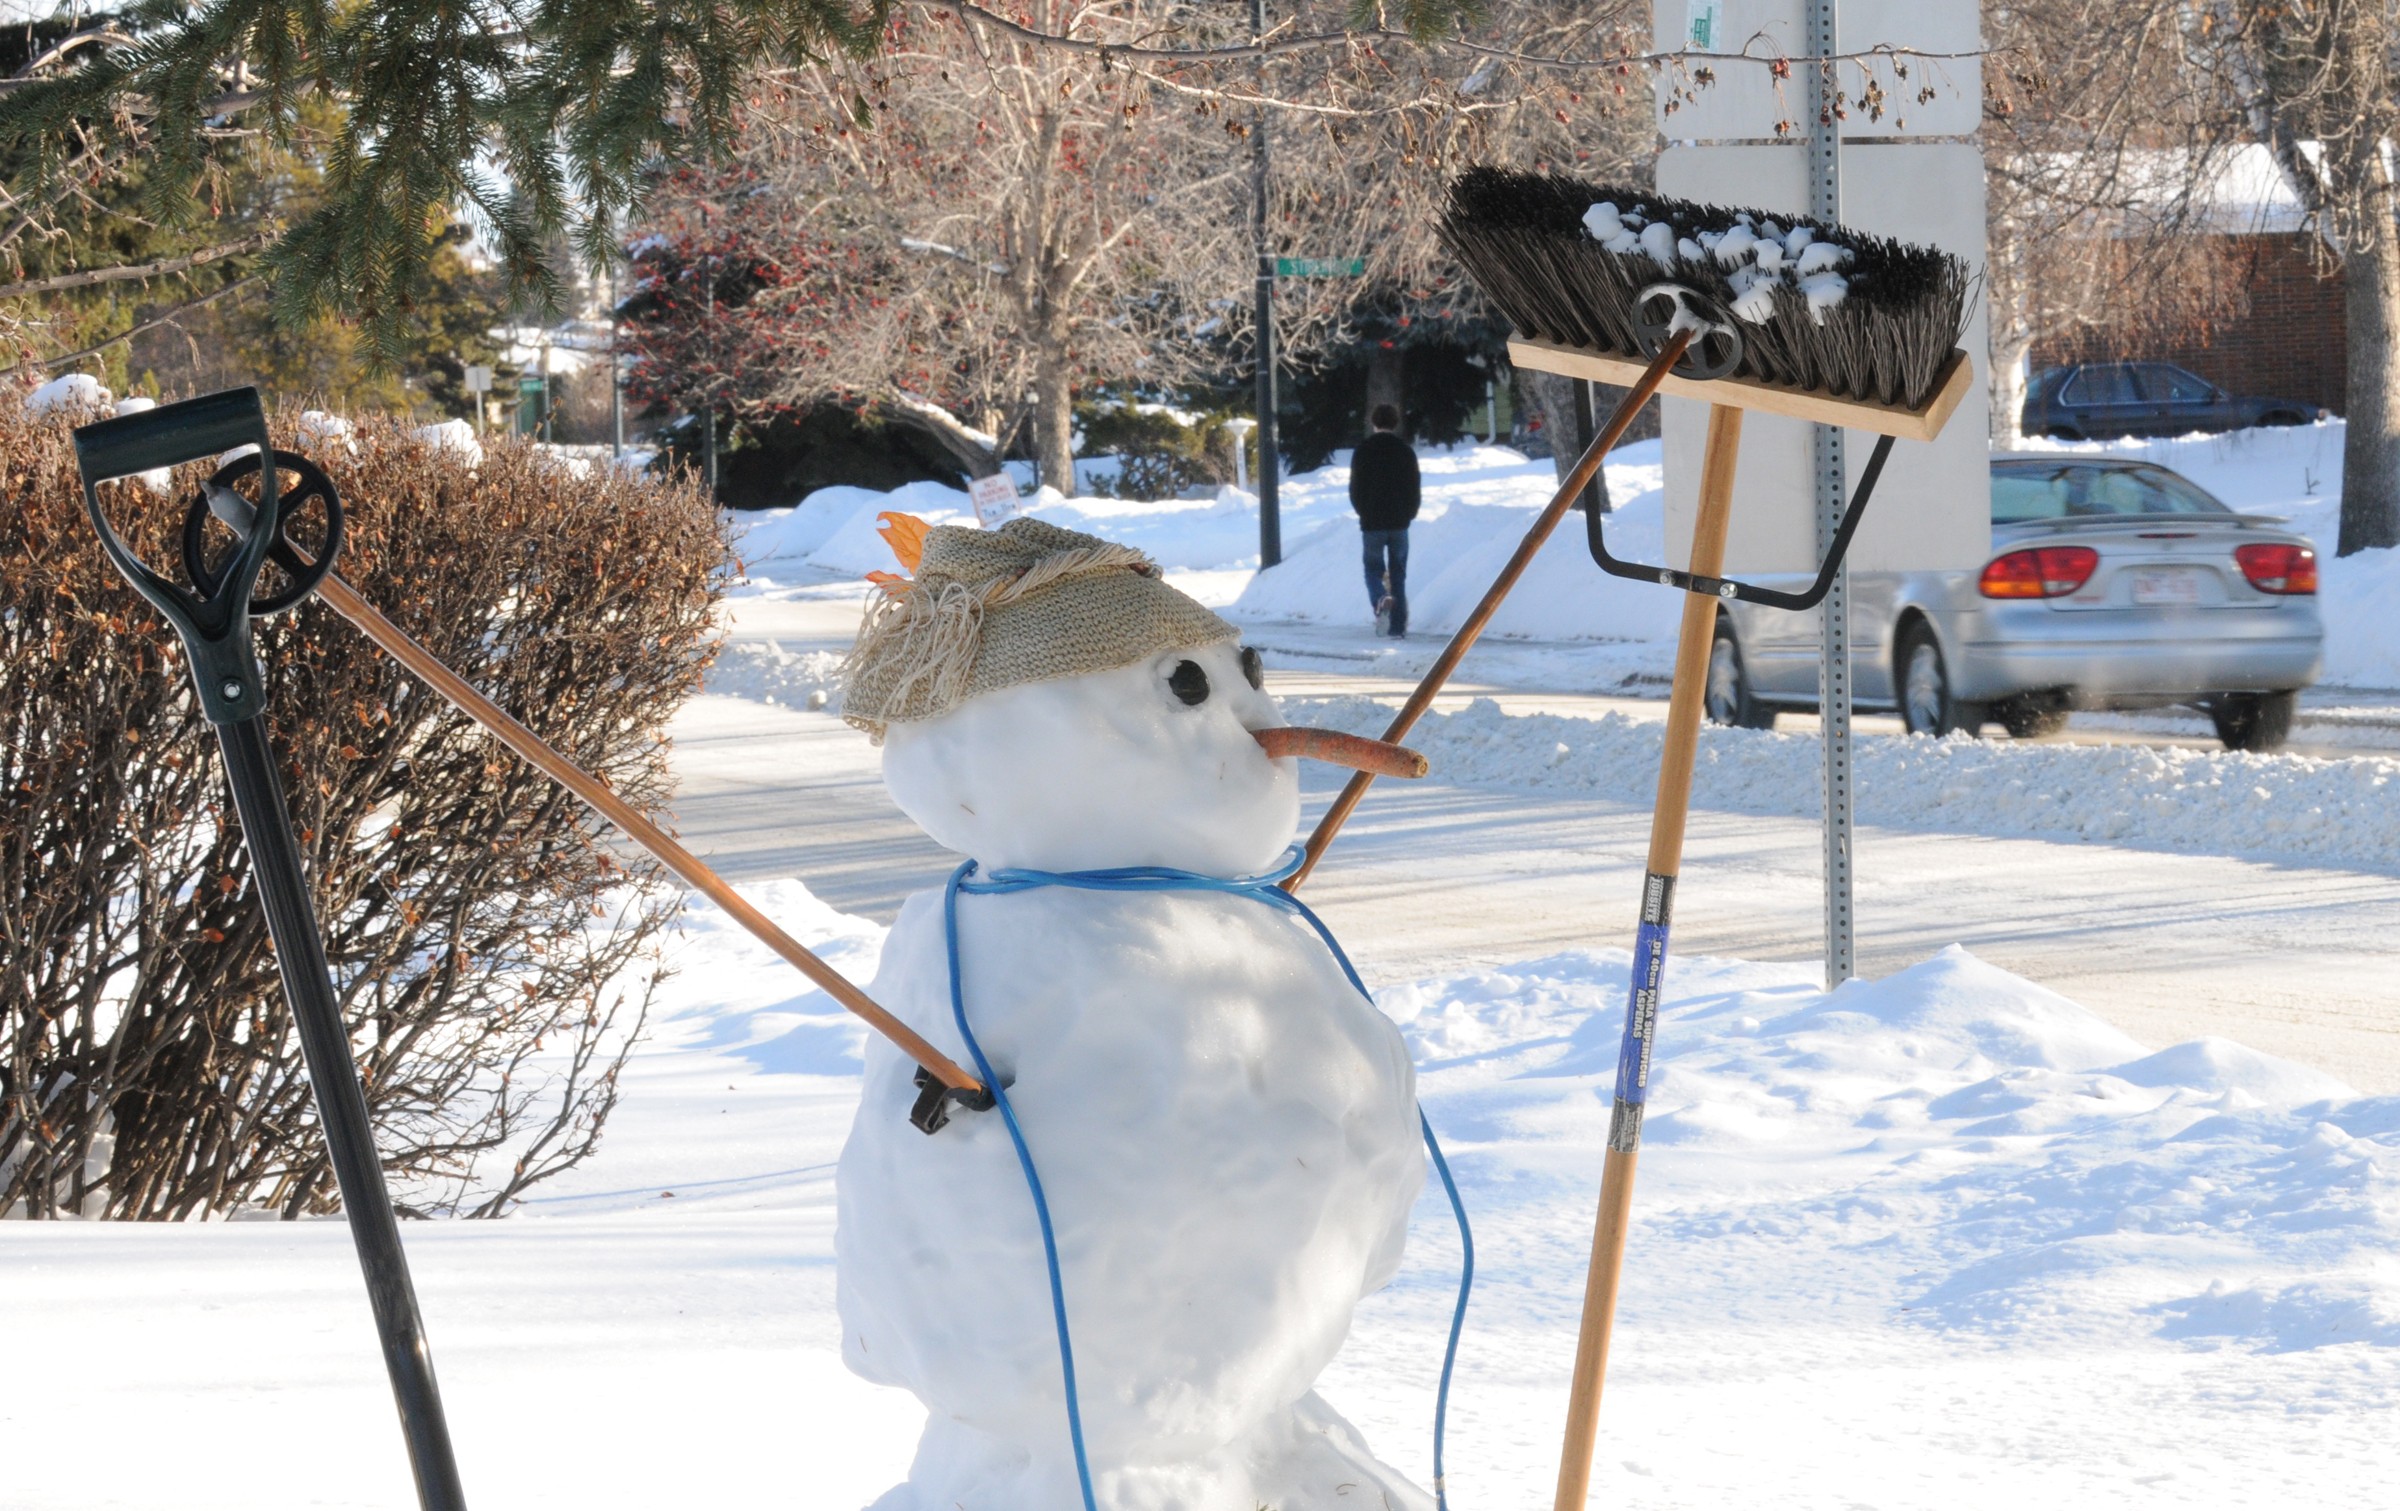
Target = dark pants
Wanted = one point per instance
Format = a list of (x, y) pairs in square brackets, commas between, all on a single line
[(1387, 552)]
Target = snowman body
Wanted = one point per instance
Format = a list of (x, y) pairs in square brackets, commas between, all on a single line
[(1225, 1129)]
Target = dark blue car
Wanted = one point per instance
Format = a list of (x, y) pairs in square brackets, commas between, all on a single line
[(2096, 401)]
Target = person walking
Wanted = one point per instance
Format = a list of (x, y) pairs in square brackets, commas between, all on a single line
[(1384, 491)]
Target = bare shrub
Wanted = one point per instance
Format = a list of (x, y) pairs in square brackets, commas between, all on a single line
[(493, 957)]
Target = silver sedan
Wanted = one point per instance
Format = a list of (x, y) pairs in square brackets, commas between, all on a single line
[(2112, 584)]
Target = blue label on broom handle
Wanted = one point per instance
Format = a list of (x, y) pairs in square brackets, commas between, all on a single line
[(1641, 1013)]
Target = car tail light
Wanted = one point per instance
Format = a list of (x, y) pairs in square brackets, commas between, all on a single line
[(2040, 572), (2277, 567)]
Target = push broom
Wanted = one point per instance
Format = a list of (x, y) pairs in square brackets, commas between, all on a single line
[(1747, 311)]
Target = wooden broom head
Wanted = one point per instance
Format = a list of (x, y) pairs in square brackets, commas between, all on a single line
[(1862, 317)]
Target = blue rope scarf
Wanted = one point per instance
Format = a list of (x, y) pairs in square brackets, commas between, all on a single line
[(1260, 888)]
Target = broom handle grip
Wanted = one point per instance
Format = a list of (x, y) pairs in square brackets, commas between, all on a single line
[(1684, 706), (424, 665), (1577, 479)]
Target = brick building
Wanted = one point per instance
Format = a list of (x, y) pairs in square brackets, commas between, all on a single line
[(2287, 343)]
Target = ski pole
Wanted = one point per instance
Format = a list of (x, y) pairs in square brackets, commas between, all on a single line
[(954, 1082), (215, 630), (1578, 478)]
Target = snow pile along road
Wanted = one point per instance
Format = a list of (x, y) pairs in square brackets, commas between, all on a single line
[(1479, 501), (2344, 812), (1857, 1206)]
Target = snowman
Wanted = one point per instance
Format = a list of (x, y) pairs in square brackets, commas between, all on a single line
[(1224, 1128)]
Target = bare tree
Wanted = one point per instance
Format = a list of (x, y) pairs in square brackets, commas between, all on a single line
[(2102, 147), (2313, 81), (962, 233)]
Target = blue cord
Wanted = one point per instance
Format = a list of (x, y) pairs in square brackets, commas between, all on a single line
[(1262, 888), (1033, 1181)]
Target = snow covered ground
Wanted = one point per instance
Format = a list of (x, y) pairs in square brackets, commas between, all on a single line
[(1941, 1238)]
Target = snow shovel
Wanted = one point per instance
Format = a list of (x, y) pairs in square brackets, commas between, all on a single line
[(214, 625)]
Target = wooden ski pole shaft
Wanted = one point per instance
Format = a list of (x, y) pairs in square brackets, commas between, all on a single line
[(1578, 479), (422, 662), (1692, 649)]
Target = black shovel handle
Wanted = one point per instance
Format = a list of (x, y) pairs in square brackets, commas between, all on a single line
[(213, 622)]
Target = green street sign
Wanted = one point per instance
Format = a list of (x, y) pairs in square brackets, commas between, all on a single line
[(1320, 267)]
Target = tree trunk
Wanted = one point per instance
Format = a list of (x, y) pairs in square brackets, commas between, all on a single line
[(2371, 446), (2009, 354), (1054, 421), (1555, 397)]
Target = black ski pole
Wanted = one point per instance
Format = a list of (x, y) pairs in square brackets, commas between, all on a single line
[(214, 625)]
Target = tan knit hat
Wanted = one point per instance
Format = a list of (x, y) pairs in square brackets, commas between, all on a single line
[(988, 609)]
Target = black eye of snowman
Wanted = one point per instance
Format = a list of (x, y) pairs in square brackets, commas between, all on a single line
[(1254, 668), (1188, 682)]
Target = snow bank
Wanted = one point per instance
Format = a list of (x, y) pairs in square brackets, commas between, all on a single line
[(2360, 599), (834, 528), (1479, 501), (68, 395), (454, 436), (1950, 1148), (2344, 812)]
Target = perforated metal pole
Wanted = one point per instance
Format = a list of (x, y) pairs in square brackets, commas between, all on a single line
[(1833, 670), (1270, 521)]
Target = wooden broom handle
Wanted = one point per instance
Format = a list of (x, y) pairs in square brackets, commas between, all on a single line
[(1578, 479), (423, 664), (1684, 706)]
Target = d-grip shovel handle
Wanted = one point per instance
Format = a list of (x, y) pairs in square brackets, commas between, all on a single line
[(214, 624), (1727, 588), (308, 483)]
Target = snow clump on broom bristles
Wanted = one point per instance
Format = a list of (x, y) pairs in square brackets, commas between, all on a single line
[(1758, 256), (1819, 307)]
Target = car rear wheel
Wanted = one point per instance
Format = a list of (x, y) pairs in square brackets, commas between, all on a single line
[(1730, 699), (1927, 705), (2254, 721), (2025, 719)]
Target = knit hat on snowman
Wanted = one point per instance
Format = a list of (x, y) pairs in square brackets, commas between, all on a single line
[(988, 609)]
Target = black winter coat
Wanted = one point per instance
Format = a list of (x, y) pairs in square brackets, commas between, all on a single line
[(1383, 482)]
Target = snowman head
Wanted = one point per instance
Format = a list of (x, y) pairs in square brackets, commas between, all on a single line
[(1046, 701)]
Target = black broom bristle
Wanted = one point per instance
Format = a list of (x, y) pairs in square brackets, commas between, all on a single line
[(1876, 319)]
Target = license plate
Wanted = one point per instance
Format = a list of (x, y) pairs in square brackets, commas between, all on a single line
[(2170, 586)]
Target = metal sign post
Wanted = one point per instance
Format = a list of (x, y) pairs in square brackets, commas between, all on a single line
[(1833, 667), (1270, 522), (1733, 141), (479, 383)]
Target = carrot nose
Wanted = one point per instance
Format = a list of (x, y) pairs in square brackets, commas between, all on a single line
[(1354, 751)]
